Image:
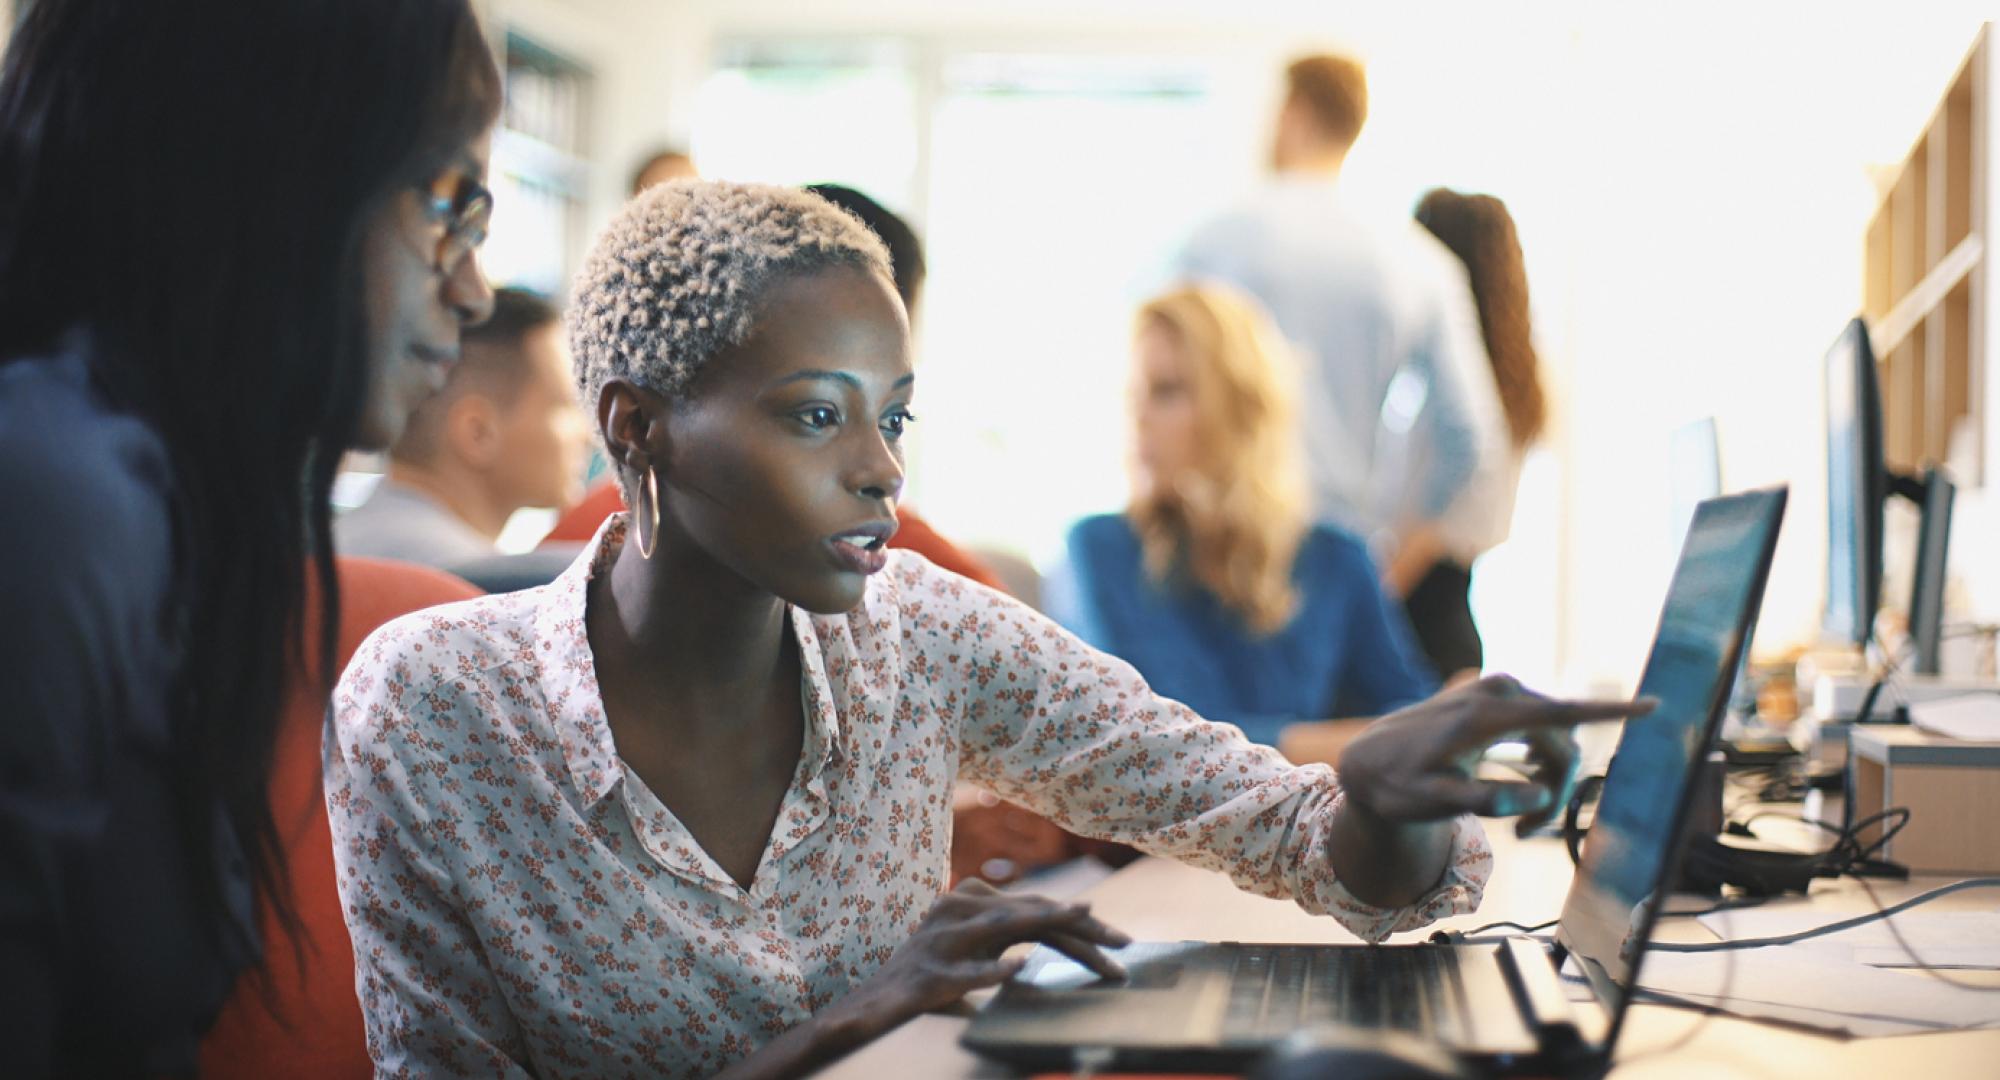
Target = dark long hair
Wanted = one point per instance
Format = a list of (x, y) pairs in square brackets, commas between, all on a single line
[(191, 183), (1480, 231)]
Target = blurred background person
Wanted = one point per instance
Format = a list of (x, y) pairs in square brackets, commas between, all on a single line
[(1214, 582), (906, 250), (215, 276), (504, 433), (1433, 566), (662, 166), (1378, 311)]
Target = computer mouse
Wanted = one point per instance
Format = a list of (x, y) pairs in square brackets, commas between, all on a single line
[(1339, 1053)]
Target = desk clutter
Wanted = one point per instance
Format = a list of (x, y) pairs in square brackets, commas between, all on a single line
[(1950, 787), (1886, 972), (1788, 985), (1922, 797)]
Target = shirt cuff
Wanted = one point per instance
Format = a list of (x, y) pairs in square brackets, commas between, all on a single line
[(1466, 872)]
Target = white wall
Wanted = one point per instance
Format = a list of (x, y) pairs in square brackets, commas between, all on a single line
[(633, 59), (1720, 211), (1691, 186)]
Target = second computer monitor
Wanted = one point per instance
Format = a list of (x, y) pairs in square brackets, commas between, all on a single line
[(1856, 484), (1927, 583)]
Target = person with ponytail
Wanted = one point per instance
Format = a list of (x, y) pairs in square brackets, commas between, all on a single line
[(1432, 570)]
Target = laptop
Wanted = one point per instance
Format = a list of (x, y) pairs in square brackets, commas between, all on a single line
[(1209, 1006)]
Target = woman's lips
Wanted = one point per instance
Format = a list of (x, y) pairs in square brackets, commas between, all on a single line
[(857, 558)]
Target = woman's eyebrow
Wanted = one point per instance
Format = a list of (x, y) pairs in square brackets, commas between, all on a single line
[(844, 378)]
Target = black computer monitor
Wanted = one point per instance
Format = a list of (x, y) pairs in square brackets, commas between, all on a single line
[(1927, 583), (1857, 483)]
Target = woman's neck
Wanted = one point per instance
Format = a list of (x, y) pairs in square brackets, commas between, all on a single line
[(697, 640)]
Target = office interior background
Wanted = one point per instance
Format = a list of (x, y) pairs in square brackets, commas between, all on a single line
[(1693, 185)]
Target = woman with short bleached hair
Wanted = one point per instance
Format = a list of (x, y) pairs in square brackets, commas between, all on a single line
[(687, 809), (1213, 582)]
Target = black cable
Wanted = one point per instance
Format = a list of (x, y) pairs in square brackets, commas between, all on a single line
[(1717, 1006), (1867, 706), (1911, 952), (1849, 845), (1708, 1012), (1460, 937), (1470, 937), (1720, 905), (1537, 928), (1892, 665), (1891, 672), (1833, 927)]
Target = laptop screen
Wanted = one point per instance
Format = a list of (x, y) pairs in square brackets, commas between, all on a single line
[(1635, 838)]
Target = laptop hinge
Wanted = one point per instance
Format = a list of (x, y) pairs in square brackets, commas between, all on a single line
[(1543, 1003)]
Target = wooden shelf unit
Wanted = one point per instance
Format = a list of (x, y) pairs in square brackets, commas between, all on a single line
[(541, 165), (1925, 278)]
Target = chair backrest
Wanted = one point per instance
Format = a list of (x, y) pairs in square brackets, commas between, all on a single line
[(579, 523), (511, 573), (300, 1019)]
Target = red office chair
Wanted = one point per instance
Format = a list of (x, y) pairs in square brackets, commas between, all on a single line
[(300, 1019)]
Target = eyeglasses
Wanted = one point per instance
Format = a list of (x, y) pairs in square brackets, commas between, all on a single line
[(464, 207)]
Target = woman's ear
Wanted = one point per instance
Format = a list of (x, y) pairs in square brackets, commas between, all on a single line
[(632, 420)]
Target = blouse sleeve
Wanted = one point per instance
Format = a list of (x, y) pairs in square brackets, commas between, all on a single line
[(429, 1003), (1076, 735)]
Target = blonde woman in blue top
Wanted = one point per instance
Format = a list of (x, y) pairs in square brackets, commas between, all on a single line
[(1213, 582)]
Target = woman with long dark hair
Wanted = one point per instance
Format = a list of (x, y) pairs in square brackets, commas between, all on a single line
[(1433, 568), (235, 240)]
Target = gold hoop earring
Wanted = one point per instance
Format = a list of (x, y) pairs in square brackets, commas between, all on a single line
[(646, 519)]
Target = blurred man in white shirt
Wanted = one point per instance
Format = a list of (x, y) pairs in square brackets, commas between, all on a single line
[(1382, 318), (504, 433)]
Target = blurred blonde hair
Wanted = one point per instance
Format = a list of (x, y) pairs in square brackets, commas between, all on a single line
[(1232, 522)]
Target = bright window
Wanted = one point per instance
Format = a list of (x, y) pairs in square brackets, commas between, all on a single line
[(788, 117), (1058, 188)]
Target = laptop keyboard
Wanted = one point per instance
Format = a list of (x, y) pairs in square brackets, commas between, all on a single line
[(1276, 989)]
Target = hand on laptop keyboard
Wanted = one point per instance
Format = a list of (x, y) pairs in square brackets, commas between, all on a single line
[(956, 949), (1417, 764)]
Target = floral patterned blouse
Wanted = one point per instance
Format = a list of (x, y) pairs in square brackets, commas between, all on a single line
[(521, 904)]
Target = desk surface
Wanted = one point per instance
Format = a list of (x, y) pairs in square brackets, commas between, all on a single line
[(1157, 900)]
